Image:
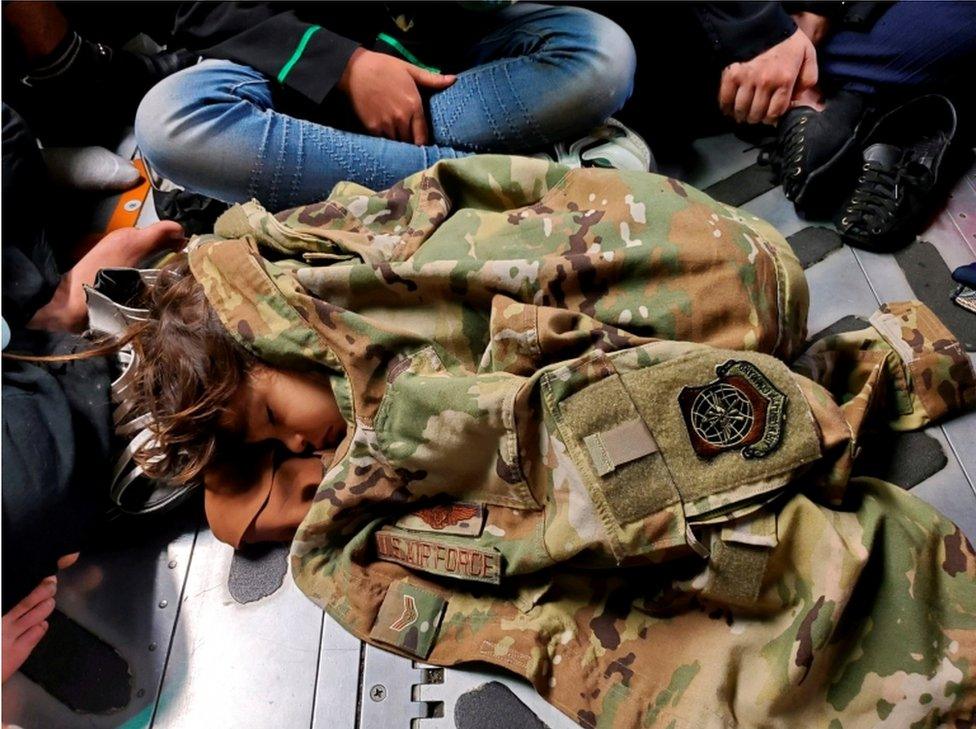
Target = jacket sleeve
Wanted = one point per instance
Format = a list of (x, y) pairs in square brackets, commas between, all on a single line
[(740, 31), (906, 370), (300, 55), (859, 15)]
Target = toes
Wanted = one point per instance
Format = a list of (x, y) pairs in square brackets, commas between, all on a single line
[(165, 233), (165, 229), (171, 227)]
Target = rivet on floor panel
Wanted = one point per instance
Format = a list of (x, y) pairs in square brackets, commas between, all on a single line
[(163, 603), (152, 646), (172, 564)]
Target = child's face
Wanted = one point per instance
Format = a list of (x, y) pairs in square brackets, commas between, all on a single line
[(296, 409)]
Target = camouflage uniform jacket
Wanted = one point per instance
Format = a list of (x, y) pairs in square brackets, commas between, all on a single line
[(575, 450)]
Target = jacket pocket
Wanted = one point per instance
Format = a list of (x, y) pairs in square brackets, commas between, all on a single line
[(665, 445)]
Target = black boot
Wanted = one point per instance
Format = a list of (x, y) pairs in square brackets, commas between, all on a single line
[(814, 149)]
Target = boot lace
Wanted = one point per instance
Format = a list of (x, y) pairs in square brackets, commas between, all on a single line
[(785, 153), (878, 196)]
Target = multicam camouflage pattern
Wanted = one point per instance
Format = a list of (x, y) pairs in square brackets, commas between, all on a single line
[(509, 341)]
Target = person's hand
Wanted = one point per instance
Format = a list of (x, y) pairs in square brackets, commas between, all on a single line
[(122, 248), (25, 624), (384, 92), (814, 26), (760, 90)]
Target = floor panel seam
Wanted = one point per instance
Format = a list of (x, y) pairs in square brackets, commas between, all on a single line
[(318, 665), (860, 264), (962, 465), (359, 685), (960, 231), (176, 622)]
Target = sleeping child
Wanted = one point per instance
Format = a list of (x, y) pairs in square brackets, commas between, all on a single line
[(543, 418)]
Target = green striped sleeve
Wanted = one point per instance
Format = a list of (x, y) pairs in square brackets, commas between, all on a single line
[(299, 50)]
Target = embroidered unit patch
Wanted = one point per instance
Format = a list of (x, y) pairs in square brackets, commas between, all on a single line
[(409, 618), (740, 409), (464, 519), (449, 560)]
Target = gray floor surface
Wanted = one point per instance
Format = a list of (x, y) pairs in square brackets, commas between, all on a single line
[(199, 659)]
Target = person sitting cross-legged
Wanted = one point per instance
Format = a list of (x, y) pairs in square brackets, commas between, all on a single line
[(294, 98)]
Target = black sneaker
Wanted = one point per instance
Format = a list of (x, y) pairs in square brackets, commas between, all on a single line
[(814, 149), (903, 175)]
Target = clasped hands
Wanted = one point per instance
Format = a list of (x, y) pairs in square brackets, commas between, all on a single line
[(763, 88), (384, 91)]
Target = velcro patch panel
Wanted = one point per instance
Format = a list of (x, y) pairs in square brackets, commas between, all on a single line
[(440, 557)]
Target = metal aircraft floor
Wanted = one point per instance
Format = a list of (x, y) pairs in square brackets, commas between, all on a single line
[(200, 656)]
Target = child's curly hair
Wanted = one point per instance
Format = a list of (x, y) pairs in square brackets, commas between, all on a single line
[(187, 371), (185, 374)]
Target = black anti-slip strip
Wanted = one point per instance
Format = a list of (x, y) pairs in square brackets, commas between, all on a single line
[(905, 459), (743, 186), (493, 705), (257, 571), (79, 669), (843, 325), (812, 244), (932, 282)]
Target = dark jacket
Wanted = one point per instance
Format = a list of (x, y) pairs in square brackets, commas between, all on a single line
[(57, 428), (306, 46), (739, 31)]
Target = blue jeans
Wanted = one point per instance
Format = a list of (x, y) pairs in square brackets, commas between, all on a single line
[(541, 74)]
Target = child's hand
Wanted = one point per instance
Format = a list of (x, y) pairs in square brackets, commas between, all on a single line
[(25, 624), (384, 93)]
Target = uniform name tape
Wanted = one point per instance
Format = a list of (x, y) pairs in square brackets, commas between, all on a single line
[(450, 560)]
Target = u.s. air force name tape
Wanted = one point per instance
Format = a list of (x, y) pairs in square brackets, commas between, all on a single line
[(440, 558)]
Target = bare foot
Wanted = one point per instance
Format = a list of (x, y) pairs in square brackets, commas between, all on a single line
[(26, 624), (123, 248)]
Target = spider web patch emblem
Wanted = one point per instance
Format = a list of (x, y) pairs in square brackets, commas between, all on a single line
[(741, 409)]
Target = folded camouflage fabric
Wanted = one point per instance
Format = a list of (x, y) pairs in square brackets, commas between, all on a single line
[(576, 450)]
